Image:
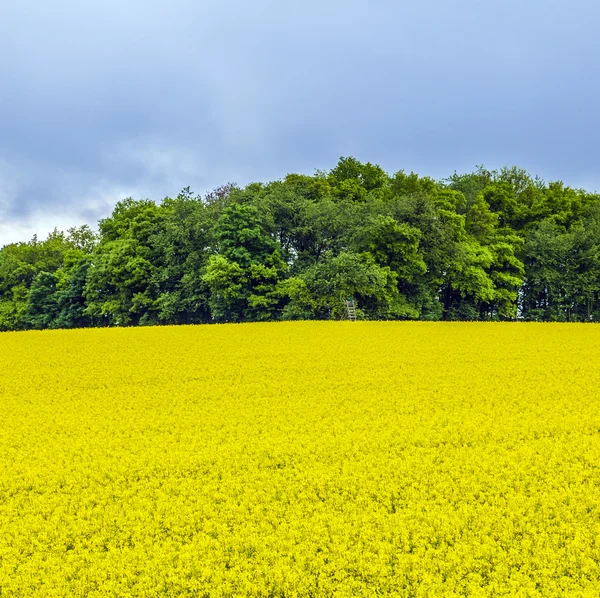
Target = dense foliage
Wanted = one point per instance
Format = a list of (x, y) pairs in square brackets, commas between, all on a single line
[(497, 245)]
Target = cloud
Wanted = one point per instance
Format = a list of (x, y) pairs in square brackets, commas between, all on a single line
[(106, 99)]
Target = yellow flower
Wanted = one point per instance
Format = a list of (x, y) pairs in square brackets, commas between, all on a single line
[(301, 459)]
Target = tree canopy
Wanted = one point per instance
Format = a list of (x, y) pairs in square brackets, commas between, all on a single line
[(486, 245)]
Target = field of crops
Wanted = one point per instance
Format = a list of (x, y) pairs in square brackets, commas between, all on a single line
[(301, 459)]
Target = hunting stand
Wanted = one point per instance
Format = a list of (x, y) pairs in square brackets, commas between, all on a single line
[(350, 309)]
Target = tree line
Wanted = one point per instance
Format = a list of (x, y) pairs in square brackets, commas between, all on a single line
[(487, 245)]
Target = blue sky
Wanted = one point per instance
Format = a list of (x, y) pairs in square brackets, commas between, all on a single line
[(102, 100)]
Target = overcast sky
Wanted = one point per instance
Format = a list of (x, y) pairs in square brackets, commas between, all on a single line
[(104, 99)]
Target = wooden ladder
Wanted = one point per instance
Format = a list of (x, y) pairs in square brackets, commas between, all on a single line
[(350, 309)]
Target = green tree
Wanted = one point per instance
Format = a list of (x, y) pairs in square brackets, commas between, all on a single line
[(41, 307), (20, 263), (184, 244), (322, 289), (243, 275), (483, 245), (123, 281)]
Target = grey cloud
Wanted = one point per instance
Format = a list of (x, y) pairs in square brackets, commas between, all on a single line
[(144, 97)]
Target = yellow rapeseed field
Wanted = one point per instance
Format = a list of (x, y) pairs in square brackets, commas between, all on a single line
[(301, 459)]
